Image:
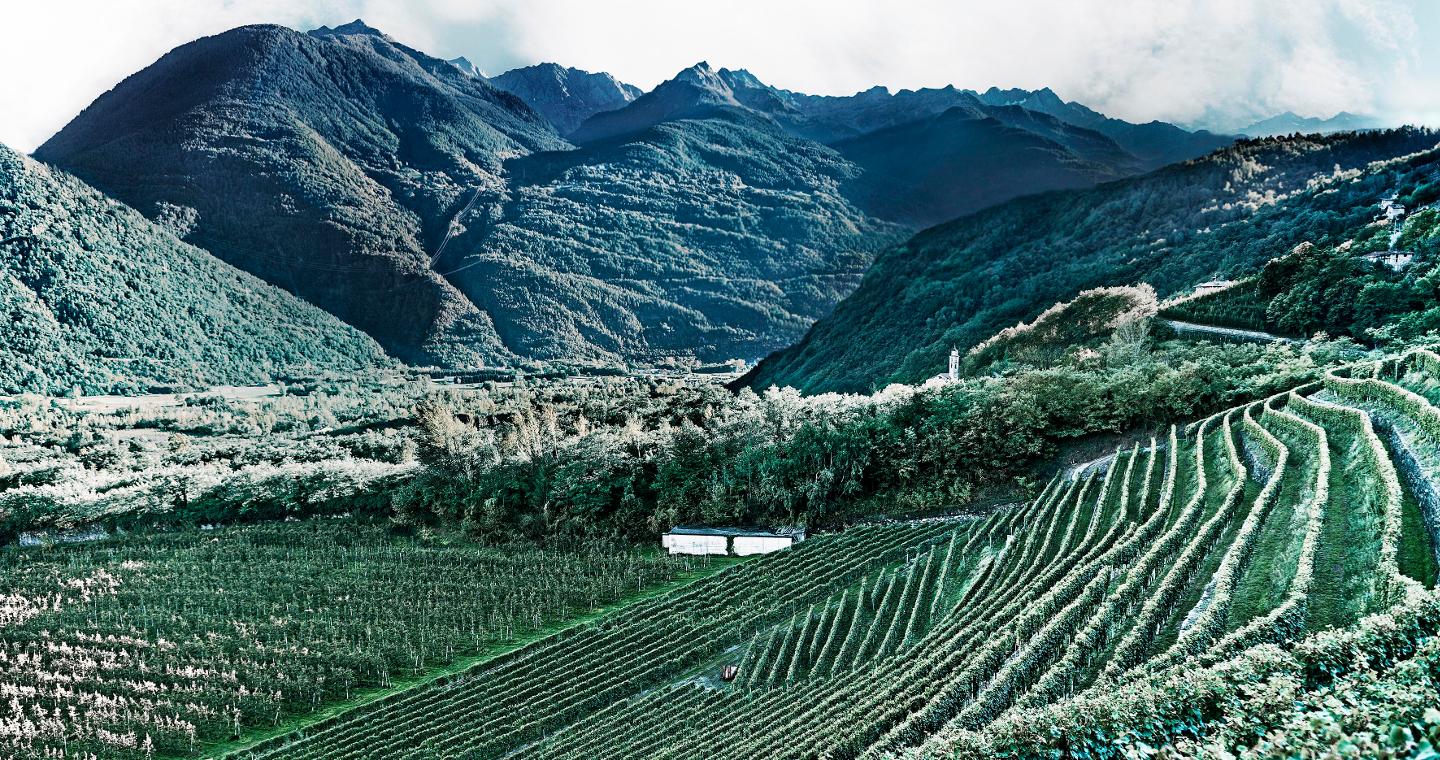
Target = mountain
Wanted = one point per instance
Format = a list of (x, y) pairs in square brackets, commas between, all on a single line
[(925, 156), (831, 119), (935, 169), (695, 93), (328, 163), (465, 65), (1155, 143), (932, 154), (566, 96), (1221, 216), (1289, 123), (446, 218), (715, 236), (96, 297)]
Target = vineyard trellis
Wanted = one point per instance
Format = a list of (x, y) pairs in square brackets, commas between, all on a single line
[(165, 643)]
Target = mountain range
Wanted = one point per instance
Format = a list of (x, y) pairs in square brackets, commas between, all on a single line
[(327, 163), (1289, 123), (550, 213)]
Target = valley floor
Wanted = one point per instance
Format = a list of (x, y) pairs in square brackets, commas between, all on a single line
[(1289, 542)]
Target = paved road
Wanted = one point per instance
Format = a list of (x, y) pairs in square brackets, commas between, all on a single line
[(1228, 332)]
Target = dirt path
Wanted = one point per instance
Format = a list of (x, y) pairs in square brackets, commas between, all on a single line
[(1084, 467)]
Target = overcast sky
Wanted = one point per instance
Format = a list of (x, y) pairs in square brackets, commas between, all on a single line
[(1216, 63)]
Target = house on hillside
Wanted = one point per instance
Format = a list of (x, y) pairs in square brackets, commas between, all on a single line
[(1396, 260), (1212, 286), (739, 542), (1391, 211)]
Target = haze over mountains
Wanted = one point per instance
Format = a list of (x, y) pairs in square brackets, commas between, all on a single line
[(550, 213), (1289, 123)]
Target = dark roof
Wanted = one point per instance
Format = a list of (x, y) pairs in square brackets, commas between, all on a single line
[(689, 530)]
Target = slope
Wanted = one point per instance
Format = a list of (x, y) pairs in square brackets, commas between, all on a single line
[(930, 170), (1228, 214), (1155, 143), (98, 298), (717, 236), (327, 163)]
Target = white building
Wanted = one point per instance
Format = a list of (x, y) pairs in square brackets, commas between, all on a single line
[(1212, 286), (1396, 260), (1390, 211), (680, 542), (724, 541), (950, 375)]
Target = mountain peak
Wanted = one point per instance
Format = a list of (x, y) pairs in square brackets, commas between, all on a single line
[(1047, 96), (741, 78), (356, 27), (700, 74), (467, 66), (566, 96)]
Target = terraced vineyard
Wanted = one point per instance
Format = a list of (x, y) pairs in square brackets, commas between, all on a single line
[(1136, 606)]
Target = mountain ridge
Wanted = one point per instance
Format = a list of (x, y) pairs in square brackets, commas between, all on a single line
[(566, 96), (351, 147)]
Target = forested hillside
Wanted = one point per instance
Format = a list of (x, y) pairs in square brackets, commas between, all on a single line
[(960, 161), (1221, 216), (716, 236), (1348, 289), (98, 299), (326, 163)]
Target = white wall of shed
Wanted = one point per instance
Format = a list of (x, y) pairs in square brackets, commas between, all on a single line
[(747, 545), (684, 544)]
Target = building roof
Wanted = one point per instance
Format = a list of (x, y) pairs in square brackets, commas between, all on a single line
[(690, 530)]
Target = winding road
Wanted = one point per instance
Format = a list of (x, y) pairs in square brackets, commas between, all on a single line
[(1228, 332)]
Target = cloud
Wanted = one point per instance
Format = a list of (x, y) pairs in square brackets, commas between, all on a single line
[(1217, 62)]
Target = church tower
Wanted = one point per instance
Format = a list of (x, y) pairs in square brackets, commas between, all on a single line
[(954, 363)]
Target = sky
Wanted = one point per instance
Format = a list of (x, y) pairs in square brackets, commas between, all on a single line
[(1219, 64)]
